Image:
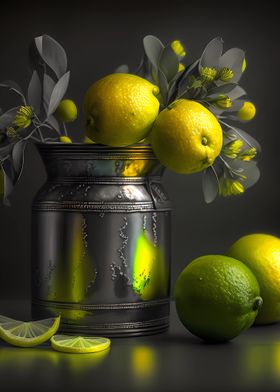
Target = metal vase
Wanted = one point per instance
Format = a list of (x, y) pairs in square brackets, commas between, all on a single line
[(101, 240)]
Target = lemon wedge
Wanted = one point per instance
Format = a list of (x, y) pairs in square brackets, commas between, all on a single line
[(79, 344), (27, 334)]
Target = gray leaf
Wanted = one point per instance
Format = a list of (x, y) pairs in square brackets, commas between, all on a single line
[(153, 48), (5, 150), (236, 105), (18, 157), (233, 59), (8, 180), (53, 54), (210, 184), (236, 93), (212, 53), (35, 58), (34, 93), (7, 118), (184, 77), (48, 86), (249, 169), (39, 44), (52, 121), (169, 63), (218, 90), (58, 93), (163, 87), (122, 69)]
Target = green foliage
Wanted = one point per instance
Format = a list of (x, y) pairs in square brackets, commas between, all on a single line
[(33, 119)]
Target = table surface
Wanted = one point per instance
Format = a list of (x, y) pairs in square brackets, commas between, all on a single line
[(172, 361)]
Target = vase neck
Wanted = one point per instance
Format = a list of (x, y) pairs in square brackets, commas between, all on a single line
[(82, 160)]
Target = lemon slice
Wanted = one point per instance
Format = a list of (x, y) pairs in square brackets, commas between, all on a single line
[(79, 344), (27, 334)]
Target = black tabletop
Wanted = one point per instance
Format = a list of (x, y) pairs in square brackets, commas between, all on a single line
[(172, 361)]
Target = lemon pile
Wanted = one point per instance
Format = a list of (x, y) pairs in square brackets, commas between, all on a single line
[(123, 109)]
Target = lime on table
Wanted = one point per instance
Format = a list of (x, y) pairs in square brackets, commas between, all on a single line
[(79, 344), (27, 334), (217, 297)]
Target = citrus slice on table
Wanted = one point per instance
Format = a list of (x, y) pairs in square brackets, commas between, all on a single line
[(79, 344), (27, 334)]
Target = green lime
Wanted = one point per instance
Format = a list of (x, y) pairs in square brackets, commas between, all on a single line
[(261, 253), (27, 334), (67, 111), (79, 344), (217, 297)]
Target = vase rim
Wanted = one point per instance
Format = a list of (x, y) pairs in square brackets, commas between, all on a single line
[(93, 147), (95, 151)]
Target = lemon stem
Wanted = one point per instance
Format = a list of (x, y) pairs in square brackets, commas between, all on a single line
[(258, 301)]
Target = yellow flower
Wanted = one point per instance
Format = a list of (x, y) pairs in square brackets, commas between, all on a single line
[(249, 154), (181, 67), (178, 48), (11, 133), (226, 74), (247, 112), (236, 188), (229, 187), (24, 116), (223, 102), (232, 149), (244, 65), (208, 74), (65, 139)]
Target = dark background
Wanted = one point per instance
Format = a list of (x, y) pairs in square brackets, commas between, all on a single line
[(99, 37)]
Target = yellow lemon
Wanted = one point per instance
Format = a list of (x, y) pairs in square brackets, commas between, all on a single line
[(67, 111), (120, 109), (247, 112), (261, 253), (186, 137), (217, 297)]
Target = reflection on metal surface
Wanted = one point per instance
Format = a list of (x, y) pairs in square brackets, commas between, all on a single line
[(149, 271), (135, 168), (144, 362), (75, 274)]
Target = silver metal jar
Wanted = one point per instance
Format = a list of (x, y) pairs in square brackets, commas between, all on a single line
[(101, 240)]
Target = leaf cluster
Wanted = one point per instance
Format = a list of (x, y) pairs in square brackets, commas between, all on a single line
[(34, 116)]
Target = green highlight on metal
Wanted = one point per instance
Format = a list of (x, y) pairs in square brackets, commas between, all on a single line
[(150, 277)]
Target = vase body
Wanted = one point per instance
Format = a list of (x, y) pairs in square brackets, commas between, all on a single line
[(101, 240)]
